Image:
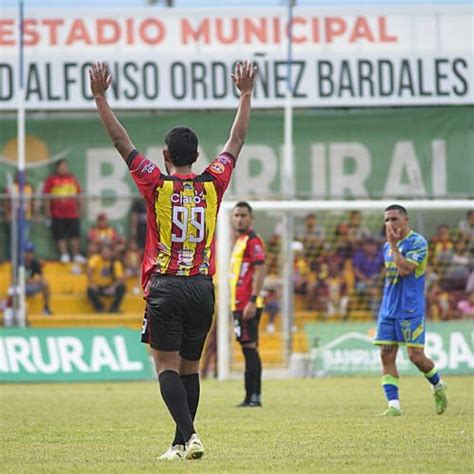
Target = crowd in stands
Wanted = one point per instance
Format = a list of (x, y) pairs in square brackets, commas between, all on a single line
[(340, 269), (111, 259), (338, 266)]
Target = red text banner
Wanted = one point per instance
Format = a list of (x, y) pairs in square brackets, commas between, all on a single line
[(182, 58)]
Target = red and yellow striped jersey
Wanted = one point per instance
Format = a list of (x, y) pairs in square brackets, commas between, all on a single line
[(248, 251), (64, 191), (181, 216)]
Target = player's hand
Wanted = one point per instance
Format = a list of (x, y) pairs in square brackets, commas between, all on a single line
[(100, 78), (244, 77), (393, 235), (250, 311)]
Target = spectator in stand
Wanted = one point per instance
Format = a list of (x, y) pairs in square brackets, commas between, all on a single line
[(93, 248), (470, 280), (466, 226), (441, 248), (63, 206), (368, 263), (105, 278), (273, 252), (466, 306), (357, 231), (342, 244), (35, 281), (431, 277), (456, 271), (331, 292), (437, 303), (272, 307), (466, 231), (28, 206), (301, 269), (311, 235), (104, 233), (132, 259), (138, 222)]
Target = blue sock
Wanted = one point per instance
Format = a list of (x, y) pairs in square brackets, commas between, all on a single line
[(390, 387), (433, 376)]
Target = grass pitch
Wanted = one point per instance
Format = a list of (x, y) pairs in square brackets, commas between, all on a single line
[(314, 425)]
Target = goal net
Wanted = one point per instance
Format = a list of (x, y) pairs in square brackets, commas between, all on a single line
[(325, 264)]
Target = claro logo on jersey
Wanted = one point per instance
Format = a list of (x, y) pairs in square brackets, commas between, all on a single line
[(178, 198)]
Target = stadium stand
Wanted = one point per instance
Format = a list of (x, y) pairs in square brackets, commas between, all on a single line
[(71, 309), (325, 281)]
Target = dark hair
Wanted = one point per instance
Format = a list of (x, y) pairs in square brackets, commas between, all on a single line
[(182, 146), (59, 163), (397, 207), (246, 205)]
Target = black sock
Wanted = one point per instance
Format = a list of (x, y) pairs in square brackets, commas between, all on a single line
[(192, 387), (174, 395), (251, 371), (258, 384), (248, 386)]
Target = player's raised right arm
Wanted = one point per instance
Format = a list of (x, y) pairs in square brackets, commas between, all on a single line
[(244, 80), (100, 81)]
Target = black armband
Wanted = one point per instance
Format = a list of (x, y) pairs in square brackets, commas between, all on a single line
[(131, 157)]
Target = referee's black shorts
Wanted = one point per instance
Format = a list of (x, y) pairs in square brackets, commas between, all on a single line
[(246, 330), (178, 314)]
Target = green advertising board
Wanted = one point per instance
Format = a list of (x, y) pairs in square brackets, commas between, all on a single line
[(362, 153), (414, 153), (66, 355), (347, 349)]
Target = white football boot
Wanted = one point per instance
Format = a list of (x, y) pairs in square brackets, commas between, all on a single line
[(194, 448), (173, 453)]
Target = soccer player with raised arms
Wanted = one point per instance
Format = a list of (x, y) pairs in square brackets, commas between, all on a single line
[(178, 262), (402, 313)]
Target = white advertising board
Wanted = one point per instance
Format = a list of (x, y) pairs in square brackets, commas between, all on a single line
[(182, 58)]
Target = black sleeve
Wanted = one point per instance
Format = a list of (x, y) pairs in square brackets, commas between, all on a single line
[(131, 157)]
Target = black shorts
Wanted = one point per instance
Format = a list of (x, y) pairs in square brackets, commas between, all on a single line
[(65, 228), (178, 314), (246, 330)]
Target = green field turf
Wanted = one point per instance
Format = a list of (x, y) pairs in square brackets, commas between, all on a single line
[(314, 425)]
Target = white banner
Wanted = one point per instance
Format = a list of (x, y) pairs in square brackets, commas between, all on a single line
[(182, 59)]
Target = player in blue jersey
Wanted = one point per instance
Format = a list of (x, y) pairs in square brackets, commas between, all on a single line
[(402, 313)]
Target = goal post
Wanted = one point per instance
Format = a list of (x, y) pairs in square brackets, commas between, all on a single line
[(441, 209)]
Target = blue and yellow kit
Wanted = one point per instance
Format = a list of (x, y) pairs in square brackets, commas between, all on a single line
[(402, 313)]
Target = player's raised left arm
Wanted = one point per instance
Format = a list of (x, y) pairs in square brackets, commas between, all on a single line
[(100, 81), (244, 80)]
